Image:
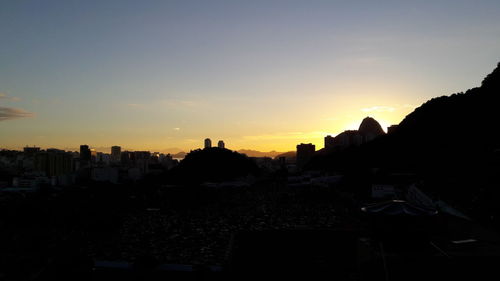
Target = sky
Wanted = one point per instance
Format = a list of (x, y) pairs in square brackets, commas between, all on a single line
[(264, 75)]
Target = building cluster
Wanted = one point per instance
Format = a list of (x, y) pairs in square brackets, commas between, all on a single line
[(208, 143), (369, 129), (34, 167)]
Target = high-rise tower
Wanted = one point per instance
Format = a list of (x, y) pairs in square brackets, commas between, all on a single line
[(208, 143), (221, 144)]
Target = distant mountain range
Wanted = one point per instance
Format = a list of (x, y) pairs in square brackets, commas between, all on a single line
[(289, 154), (179, 155), (255, 153)]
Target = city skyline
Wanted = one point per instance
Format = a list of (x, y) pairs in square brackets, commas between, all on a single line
[(264, 75), (207, 143)]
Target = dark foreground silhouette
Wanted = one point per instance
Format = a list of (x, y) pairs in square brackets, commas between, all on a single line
[(418, 203)]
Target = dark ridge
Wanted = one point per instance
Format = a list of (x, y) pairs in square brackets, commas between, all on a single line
[(460, 130), (492, 80), (213, 164)]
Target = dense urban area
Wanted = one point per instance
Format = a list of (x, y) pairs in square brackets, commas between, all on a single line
[(369, 205)]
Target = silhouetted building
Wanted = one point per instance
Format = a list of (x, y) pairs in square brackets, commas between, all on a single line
[(369, 129), (142, 155), (126, 157), (53, 162), (30, 151), (141, 161), (208, 143), (220, 144), (167, 161), (155, 158), (116, 154), (103, 158), (391, 129), (93, 155), (105, 174), (348, 138), (329, 142), (85, 154), (304, 153)]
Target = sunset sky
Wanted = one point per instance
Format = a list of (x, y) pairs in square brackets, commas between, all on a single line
[(263, 75)]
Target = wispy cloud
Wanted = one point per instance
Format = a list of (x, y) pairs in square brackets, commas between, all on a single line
[(4, 96), (378, 109), (136, 105), (181, 103), (8, 113), (167, 103)]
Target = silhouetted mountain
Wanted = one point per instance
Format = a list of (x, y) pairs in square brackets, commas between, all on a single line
[(463, 124), (181, 154), (213, 164), (370, 127), (170, 150), (448, 131), (289, 154), (255, 153)]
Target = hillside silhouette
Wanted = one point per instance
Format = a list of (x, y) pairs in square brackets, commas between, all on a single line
[(460, 130), (213, 165)]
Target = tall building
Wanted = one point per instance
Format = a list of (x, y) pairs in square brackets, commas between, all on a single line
[(126, 157), (102, 158), (329, 142), (369, 129), (208, 143), (141, 161), (30, 151), (220, 144), (305, 151), (53, 162), (116, 152), (85, 154), (349, 138), (391, 129)]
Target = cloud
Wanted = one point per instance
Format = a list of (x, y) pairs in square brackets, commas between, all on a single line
[(4, 96), (136, 105), (181, 103), (8, 113), (167, 103), (378, 109), (177, 129)]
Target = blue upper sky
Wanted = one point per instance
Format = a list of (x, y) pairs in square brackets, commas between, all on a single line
[(258, 74)]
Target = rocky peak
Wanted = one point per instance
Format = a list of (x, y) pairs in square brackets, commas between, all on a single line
[(370, 126)]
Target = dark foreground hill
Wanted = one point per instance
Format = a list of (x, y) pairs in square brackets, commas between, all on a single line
[(461, 130), (213, 164)]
